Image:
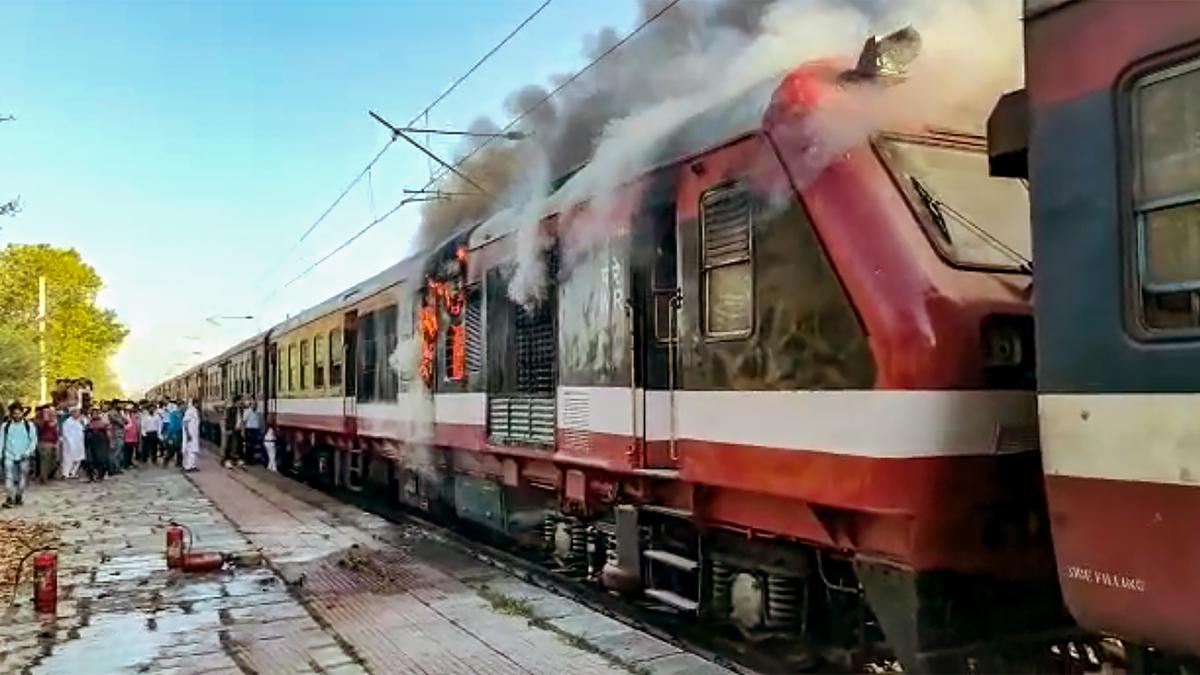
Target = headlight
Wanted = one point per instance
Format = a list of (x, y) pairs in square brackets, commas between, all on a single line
[(1002, 345)]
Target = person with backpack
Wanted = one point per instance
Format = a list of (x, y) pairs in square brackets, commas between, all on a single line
[(19, 440)]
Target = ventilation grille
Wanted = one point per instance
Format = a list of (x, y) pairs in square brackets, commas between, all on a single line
[(474, 331), (576, 421), (1014, 438), (523, 420), (537, 345), (726, 217)]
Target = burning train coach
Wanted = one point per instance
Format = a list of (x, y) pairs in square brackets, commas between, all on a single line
[(790, 397)]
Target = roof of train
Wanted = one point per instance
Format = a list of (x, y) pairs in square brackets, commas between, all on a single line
[(738, 113), (363, 289), (248, 343)]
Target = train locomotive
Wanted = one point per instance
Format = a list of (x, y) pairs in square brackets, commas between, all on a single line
[(790, 398)]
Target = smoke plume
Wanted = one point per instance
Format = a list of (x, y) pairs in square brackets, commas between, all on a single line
[(704, 54)]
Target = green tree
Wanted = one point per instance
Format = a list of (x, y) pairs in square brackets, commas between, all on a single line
[(80, 336), (18, 365)]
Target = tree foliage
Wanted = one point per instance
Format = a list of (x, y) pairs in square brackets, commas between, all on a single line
[(18, 365), (80, 336)]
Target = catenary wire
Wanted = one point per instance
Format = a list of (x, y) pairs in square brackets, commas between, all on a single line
[(423, 114), (516, 120)]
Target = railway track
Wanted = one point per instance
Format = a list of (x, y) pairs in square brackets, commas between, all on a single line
[(1073, 654)]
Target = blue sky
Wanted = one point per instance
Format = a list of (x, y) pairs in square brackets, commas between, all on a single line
[(183, 146)]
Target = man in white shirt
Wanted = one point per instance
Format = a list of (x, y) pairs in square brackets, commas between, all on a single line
[(151, 426), (191, 437), (73, 443), (252, 430)]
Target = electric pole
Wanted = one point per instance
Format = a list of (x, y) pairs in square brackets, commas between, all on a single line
[(42, 334)]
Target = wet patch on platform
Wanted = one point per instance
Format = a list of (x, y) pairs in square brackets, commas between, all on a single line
[(120, 610)]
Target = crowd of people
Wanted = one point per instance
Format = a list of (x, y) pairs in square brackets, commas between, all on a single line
[(74, 435)]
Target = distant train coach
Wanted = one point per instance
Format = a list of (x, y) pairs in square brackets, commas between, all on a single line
[(789, 398)]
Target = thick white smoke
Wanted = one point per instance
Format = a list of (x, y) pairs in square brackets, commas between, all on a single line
[(707, 53)]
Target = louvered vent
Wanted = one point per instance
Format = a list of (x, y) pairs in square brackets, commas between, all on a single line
[(474, 331), (1011, 438), (576, 416), (726, 216), (521, 420)]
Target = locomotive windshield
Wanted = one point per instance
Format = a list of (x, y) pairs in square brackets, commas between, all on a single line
[(973, 218)]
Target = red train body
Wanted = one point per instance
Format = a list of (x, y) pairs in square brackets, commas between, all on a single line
[(775, 392)]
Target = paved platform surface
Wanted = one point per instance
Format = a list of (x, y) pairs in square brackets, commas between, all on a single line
[(342, 591)]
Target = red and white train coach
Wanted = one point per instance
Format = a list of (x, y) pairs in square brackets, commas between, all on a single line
[(792, 398)]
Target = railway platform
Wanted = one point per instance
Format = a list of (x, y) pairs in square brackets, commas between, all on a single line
[(324, 588)]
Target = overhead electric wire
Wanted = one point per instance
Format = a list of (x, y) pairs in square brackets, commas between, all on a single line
[(480, 62), (424, 113), (366, 170), (517, 120)]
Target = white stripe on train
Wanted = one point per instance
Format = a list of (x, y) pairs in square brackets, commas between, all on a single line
[(1107, 436), (875, 423)]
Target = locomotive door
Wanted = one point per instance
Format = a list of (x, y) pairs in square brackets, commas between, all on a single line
[(272, 379), (656, 295), (350, 368)]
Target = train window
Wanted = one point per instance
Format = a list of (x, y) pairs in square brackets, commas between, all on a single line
[(1166, 108), (319, 362), (292, 363), (305, 364), (407, 317), (335, 358), (366, 376), (728, 273), (255, 383), (972, 218), (389, 384)]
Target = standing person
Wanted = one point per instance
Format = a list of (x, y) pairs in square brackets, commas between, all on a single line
[(73, 443), (233, 423), (191, 437), (172, 434), (252, 430), (151, 423), (132, 434), (85, 394), (116, 430), (96, 443), (18, 439), (47, 448), (269, 446)]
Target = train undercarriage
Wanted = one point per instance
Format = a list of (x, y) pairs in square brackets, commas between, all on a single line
[(768, 602)]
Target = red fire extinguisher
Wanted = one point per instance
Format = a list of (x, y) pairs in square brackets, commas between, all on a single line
[(45, 581), (174, 546), (205, 561)]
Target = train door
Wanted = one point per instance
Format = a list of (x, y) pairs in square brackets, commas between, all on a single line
[(272, 370), (655, 295), (350, 364)]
